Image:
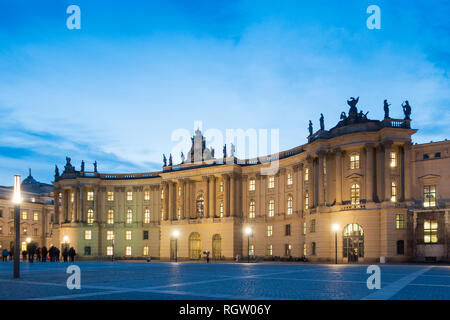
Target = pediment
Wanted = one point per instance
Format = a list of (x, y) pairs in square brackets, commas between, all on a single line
[(429, 177), (354, 176)]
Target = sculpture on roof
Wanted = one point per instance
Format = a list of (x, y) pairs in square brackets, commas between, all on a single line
[(310, 128), (82, 165), (353, 110), (199, 152), (56, 171), (322, 122), (386, 109), (406, 110), (95, 166), (232, 150), (170, 159), (68, 168), (225, 150), (182, 157), (164, 160)]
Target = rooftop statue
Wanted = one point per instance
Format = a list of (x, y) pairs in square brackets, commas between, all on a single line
[(386, 109), (68, 168), (353, 112), (182, 157), (56, 171), (225, 150), (232, 150), (95, 166), (406, 110), (343, 115), (170, 159), (212, 152), (82, 165), (322, 123), (310, 128), (164, 160)]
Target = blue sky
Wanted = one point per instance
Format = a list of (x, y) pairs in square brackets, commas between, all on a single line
[(115, 90)]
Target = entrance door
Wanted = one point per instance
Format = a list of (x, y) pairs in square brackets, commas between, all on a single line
[(195, 244), (217, 247), (173, 249), (353, 242)]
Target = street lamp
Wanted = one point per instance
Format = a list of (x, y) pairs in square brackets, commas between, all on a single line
[(248, 231), (17, 199), (175, 235), (335, 229)]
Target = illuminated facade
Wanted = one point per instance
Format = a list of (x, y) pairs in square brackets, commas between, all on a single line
[(387, 197)]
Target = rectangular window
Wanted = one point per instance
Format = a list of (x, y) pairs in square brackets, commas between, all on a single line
[(251, 250), (145, 251), (429, 196), (269, 251), (145, 235), (221, 210), (290, 180), (35, 232), (221, 186), (109, 251), (269, 231), (25, 231), (147, 216), (24, 246), (162, 194), (313, 248), (289, 205), (306, 174), (271, 182), (287, 230), (313, 225), (129, 216), (252, 185), (354, 161), (430, 228), (90, 196), (87, 235), (306, 201), (72, 197), (110, 196), (179, 213), (36, 216), (400, 221), (87, 251), (252, 210), (393, 192), (304, 228), (129, 195), (393, 159), (90, 216), (110, 217), (128, 235), (400, 247), (24, 215), (110, 235), (304, 249), (271, 208), (1, 213), (179, 191), (287, 250), (146, 195)]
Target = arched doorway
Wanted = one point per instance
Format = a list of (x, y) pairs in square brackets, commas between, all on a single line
[(195, 245), (217, 247), (353, 246)]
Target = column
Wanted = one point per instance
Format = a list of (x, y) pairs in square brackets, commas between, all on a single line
[(164, 200), (300, 193), (212, 196), (56, 201), (369, 172), (321, 184), (387, 170), (170, 201), (338, 176), (81, 199), (407, 171), (226, 191), (96, 202), (311, 173), (232, 195)]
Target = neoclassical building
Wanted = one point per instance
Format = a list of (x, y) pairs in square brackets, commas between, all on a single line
[(362, 183)]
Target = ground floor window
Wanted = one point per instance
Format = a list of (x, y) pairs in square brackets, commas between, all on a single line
[(251, 250), (109, 250), (400, 247), (87, 251), (400, 221), (269, 250), (430, 231), (353, 242), (128, 250), (145, 251), (287, 250), (313, 248), (304, 249)]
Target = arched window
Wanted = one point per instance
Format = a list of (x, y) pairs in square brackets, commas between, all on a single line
[(252, 209), (289, 205), (355, 193), (353, 242)]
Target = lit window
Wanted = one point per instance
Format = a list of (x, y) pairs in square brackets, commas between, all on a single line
[(128, 235), (393, 159), (87, 235), (251, 250), (306, 200), (179, 191), (110, 217), (24, 246), (306, 177), (33, 200), (36, 216), (145, 251), (304, 249), (110, 196), (129, 216), (162, 193), (269, 250), (35, 232), (271, 182), (271, 208), (400, 221), (179, 213), (355, 193), (252, 210), (324, 166), (289, 205), (313, 225), (72, 197), (221, 186), (90, 196), (24, 215), (393, 192), (129, 195), (290, 180), (430, 231), (109, 251), (147, 216), (429, 196), (221, 209), (162, 213), (287, 250), (90, 216), (110, 235), (146, 195), (252, 185), (304, 228), (25, 231), (269, 231), (354, 161)]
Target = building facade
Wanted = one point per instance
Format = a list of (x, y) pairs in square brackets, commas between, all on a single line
[(359, 191)]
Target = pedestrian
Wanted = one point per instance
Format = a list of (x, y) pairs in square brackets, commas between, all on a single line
[(31, 248), (72, 254), (11, 253), (57, 253), (44, 254), (38, 254), (24, 255), (5, 255), (65, 254)]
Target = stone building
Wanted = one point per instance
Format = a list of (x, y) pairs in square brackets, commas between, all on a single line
[(384, 195)]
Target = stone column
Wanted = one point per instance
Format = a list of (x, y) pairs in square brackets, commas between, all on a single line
[(311, 173), (226, 192), (170, 200), (338, 176), (232, 195), (407, 169), (321, 182), (379, 169), (164, 200), (212, 196), (56, 200), (387, 170), (96, 202), (81, 205), (300, 193), (369, 172)]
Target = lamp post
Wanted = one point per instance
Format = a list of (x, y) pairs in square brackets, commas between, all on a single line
[(175, 235), (248, 231), (335, 229), (17, 199)]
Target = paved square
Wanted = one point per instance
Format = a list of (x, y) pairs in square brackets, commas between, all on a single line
[(159, 280)]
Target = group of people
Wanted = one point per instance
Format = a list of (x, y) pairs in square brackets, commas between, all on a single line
[(42, 254)]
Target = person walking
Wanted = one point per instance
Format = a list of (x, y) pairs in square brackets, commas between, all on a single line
[(38, 254), (5, 255), (44, 254), (65, 254), (24, 255), (11, 253), (31, 248), (72, 254)]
